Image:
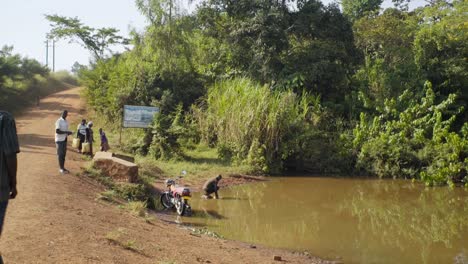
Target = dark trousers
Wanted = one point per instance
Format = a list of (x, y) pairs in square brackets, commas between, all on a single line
[(91, 148), (3, 208), (211, 190), (82, 139), (61, 153)]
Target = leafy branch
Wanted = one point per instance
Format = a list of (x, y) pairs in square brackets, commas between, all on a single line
[(96, 40)]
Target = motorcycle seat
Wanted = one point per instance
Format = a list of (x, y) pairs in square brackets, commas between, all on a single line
[(178, 190)]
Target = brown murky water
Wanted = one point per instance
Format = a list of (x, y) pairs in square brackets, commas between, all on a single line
[(355, 221)]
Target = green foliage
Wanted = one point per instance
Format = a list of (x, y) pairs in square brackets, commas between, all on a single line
[(201, 162), (23, 81), (404, 49), (158, 12), (157, 72), (447, 158), (397, 135), (440, 45), (238, 76), (253, 124), (274, 44), (137, 209), (441, 51), (415, 142), (131, 191), (95, 40), (167, 130), (356, 9), (389, 67)]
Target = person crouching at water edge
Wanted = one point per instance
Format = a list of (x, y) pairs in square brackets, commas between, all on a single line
[(211, 186)]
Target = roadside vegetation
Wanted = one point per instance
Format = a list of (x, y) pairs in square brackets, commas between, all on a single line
[(270, 86), (24, 81), (134, 197)]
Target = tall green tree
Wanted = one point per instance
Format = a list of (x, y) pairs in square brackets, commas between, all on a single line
[(441, 46), (355, 9), (96, 40), (311, 45), (389, 68)]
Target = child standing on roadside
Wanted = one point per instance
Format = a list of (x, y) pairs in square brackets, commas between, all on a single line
[(104, 142)]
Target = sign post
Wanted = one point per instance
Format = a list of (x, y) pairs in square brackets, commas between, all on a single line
[(138, 116), (120, 137)]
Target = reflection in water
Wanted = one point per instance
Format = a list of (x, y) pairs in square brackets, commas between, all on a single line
[(207, 213), (358, 221), (431, 221)]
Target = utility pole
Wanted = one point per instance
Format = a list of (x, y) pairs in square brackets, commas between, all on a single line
[(47, 52), (53, 55)]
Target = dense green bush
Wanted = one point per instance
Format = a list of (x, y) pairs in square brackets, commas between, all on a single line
[(250, 68), (417, 142)]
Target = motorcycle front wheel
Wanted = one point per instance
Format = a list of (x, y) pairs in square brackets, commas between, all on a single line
[(166, 200), (188, 210)]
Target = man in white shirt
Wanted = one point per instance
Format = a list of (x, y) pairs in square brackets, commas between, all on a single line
[(61, 134)]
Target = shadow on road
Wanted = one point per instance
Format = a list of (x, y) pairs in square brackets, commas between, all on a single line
[(34, 141)]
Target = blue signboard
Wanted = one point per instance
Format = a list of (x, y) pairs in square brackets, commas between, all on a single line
[(138, 116)]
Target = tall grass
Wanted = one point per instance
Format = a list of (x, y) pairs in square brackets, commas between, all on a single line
[(249, 123)]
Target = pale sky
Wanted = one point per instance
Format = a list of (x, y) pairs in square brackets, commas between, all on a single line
[(22, 24)]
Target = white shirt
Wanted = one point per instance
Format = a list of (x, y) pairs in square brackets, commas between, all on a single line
[(82, 129), (61, 125)]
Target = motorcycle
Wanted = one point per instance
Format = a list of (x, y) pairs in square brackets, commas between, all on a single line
[(178, 197)]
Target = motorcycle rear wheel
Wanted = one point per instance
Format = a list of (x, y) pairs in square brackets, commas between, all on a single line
[(166, 200)]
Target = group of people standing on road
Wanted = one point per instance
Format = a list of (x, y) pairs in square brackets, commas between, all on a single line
[(84, 135)]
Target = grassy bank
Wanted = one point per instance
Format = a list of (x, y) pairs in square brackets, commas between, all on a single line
[(199, 161)]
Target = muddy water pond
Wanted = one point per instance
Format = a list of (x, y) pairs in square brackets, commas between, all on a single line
[(354, 221)]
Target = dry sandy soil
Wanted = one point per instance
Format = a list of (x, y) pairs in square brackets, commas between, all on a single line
[(58, 218)]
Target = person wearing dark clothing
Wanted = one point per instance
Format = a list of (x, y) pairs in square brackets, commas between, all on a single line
[(81, 133), (211, 186), (90, 137), (61, 134), (104, 141), (9, 147)]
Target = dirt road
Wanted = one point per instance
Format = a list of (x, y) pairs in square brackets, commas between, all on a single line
[(57, 218)]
